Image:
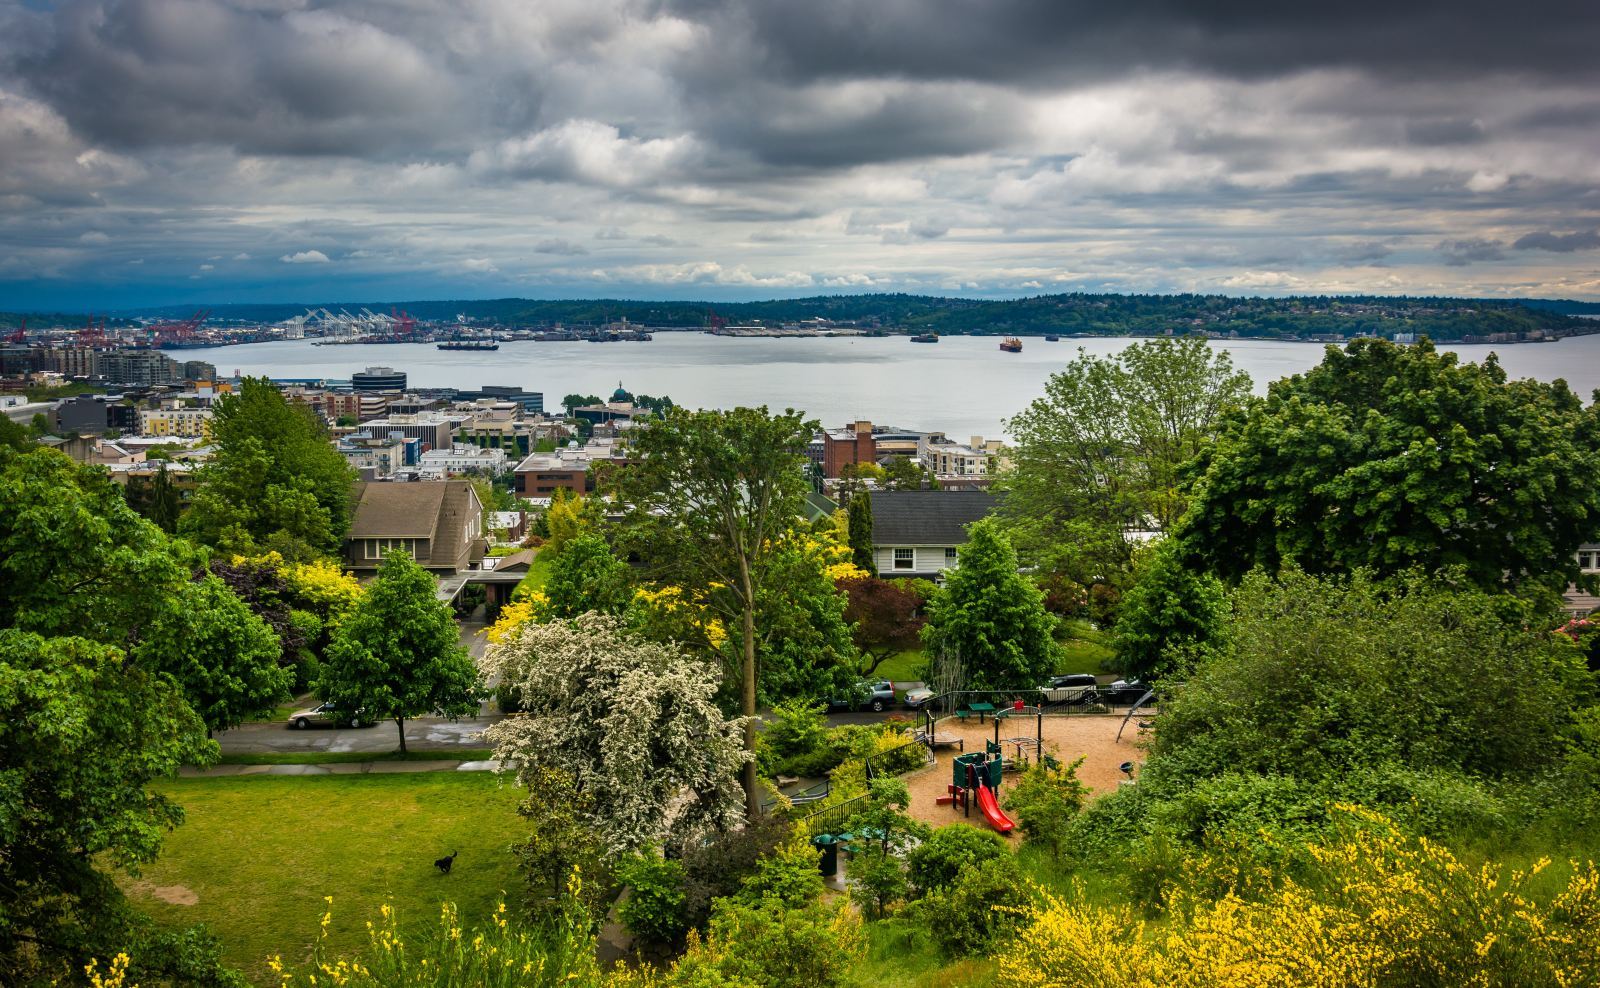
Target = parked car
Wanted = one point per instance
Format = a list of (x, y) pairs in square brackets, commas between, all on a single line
[(1075, 690), (1123, 693), (327, 713), (876, 697), (916, 697)]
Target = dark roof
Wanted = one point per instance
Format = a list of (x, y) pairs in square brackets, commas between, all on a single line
[(926, 517), (437, 510), (396, 510)]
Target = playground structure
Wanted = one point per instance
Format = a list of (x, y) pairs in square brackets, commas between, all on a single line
[(975, 778), (1011, 730)]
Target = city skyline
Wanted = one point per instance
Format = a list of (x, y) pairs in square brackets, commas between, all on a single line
[(159, 152)]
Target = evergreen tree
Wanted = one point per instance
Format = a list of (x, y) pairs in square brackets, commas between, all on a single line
[(398, 653), (861, 532), (164, 507), (992, 617)]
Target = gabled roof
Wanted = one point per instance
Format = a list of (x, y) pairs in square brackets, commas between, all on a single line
[(397, 510), (926, 517)]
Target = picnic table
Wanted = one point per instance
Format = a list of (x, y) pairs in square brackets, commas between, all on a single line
[(980, 709)]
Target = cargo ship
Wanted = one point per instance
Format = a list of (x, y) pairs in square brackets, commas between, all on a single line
[(469, 345), (1011, 345), (925, 338)]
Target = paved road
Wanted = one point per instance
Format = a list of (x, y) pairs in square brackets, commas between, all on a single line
[(426, 732)]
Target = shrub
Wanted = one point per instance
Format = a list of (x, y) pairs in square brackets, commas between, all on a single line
[(878, 881), (766, 944), (1045, 801), (653, 909), (985, 906), (1377, 907), (796, 727), (937, 861), (791, 874), (716, 868)]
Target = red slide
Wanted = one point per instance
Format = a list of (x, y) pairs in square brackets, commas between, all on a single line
[(991, 811)]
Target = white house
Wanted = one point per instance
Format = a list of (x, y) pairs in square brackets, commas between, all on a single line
[(919, 533)]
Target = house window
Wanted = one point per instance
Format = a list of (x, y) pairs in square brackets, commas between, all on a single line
[(950, 557), (905, 558), (1586, 560)]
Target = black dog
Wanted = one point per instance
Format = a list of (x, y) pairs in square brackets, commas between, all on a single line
[(444, 863)]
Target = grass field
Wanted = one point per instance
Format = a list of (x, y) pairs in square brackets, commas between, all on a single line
[(257, 855), (1083, 649)]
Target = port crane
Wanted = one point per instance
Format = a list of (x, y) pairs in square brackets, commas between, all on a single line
[(176, 331), (20, 335)]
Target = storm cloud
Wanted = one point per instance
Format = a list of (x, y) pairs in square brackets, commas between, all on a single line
[(168, 150)]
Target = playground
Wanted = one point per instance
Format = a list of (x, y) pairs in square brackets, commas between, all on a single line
[(1094, 737)]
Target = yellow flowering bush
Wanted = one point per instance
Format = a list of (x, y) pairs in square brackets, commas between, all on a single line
[(1381, 908), (530, 607), (322, 586)]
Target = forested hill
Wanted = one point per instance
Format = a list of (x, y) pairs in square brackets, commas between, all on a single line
[(1105, 315)]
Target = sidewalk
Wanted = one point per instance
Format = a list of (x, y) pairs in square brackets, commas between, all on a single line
[(338, 768)]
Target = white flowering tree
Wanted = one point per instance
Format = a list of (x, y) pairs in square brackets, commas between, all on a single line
[(634, 723)]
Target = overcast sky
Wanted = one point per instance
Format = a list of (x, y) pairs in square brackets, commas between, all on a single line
[(165, 151)]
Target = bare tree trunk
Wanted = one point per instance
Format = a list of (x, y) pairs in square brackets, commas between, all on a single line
[(747, 696), (400, 722)]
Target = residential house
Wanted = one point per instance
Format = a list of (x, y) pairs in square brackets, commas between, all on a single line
[(919, 533), (438, 523), (1581, 603)]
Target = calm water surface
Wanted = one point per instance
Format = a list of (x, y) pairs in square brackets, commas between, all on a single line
[(963, 385)]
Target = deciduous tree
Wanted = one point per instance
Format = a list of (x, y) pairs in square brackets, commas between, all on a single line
[(1388, 457), (886, 616), (275, 481), (587, 576), (992, 617), (1101, 451), (398, 654), (634, 723), (224, 657), (710, 494), (1171, 619)]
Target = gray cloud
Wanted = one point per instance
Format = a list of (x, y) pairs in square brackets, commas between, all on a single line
[(1559, 243), (759, 146)]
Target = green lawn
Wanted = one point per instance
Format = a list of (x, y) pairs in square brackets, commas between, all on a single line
[(903, 667), (1083, 649), (538, 571), (258, 854)]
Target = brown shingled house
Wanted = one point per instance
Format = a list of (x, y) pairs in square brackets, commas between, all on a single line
[(440, 523)]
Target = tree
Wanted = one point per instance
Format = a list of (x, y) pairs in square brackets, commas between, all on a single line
[(861, 533), (398, 654), (224, 657), (905, 474), (1101, 452), (991, 617), (634, 723), (74, 558), (1172, 617), (83, 732), (587, 576), (886, 616), (14, 436), (1388, 457), (802, 637), (275, 481), (710, 494), (164, 503), (573, 402)]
